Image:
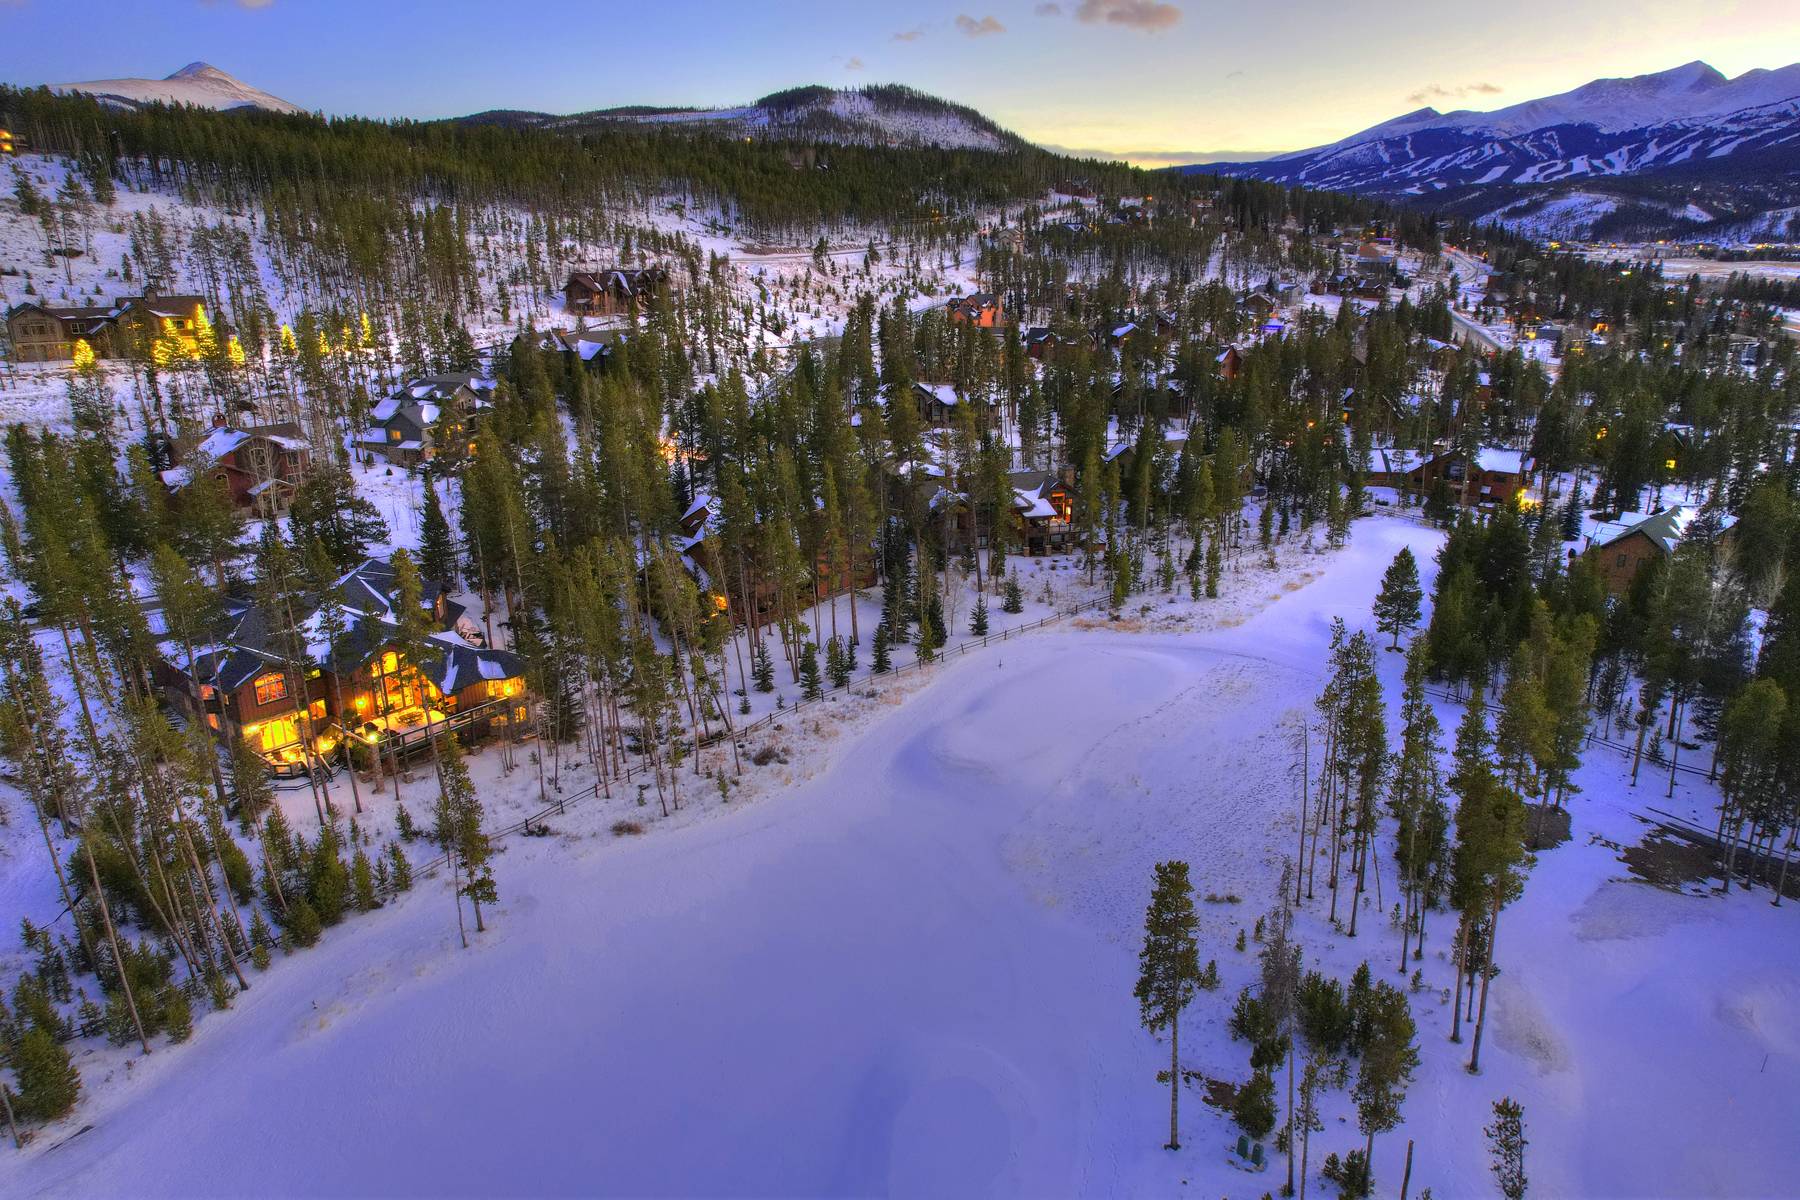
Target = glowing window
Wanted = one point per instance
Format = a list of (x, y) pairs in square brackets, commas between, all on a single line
[(271, 687)]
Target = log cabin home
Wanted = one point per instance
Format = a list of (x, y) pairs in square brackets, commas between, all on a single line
[(937, 403), (614, 291), (744, 589), (1229, 361), (261, 466), (299, 702), (593, 349), (1494, 477), (1620, 549)]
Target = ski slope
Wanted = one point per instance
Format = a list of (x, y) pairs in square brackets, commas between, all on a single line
[(910, 975)]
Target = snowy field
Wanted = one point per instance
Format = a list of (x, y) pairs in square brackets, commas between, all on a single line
[(908, 972)]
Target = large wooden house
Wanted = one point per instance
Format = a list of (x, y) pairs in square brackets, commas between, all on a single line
[(981, 310), (1493, 477), (593, 349), (745, 590), (615, 291), (50, 333), (261, 466), (298, 702), (433, 417)]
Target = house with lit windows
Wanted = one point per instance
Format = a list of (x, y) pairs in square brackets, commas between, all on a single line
[(433, 417), (301, 699), (1044, 511), (51, 333)]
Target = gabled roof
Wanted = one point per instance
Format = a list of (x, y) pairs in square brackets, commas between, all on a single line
[(1666, 528)]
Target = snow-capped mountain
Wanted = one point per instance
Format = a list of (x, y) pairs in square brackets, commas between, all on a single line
[(883, 114), (197, 83), (1690, 137)]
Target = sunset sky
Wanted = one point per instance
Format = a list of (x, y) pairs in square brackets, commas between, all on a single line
[(1149, 80)]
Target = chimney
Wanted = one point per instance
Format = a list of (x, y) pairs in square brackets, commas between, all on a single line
[(218, 420)]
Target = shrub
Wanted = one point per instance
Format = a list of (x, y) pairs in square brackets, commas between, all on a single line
[(1254, 1109)]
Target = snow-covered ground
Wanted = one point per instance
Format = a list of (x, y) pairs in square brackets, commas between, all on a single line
[(905, 968)]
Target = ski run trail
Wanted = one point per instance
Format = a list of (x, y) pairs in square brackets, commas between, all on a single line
[(910, 974)]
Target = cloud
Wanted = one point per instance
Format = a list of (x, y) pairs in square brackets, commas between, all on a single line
[(1147, 15), (1048, 10), (855, 64), (1437, 91), (909, 35), (971, 27)]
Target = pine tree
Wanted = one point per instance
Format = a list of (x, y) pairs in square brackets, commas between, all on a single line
[(883, 662), (1254, 1107), (810, 687), (399, 870), (327, 507), (49, 1084), (437, 546), (1014, 599), (362, 882), (459, 832), (838, 663), (1169, 970), (762, 669), (1506, 1146), (1389, 1058), (978, 620), (1397, 604)]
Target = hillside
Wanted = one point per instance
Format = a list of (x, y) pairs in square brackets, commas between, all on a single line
[(198, 83), (1680, 152), (878, 115)]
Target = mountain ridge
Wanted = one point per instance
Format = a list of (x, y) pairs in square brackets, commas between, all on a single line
[(875, 114), (1680, 127)]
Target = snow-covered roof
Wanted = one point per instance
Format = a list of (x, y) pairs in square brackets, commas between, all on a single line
[(1505, 462), (220, 442)]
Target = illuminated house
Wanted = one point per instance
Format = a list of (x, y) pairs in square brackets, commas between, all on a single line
[(1495, 476), (428, 418), (298, 700), (1044, 508), (49, 333), (981, 310)]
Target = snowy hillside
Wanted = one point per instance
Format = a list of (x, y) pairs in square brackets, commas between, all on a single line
[(872, 116), (198, 83)]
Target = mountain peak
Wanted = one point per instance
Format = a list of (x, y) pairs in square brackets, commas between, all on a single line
[(198, 83), (201, 70)]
